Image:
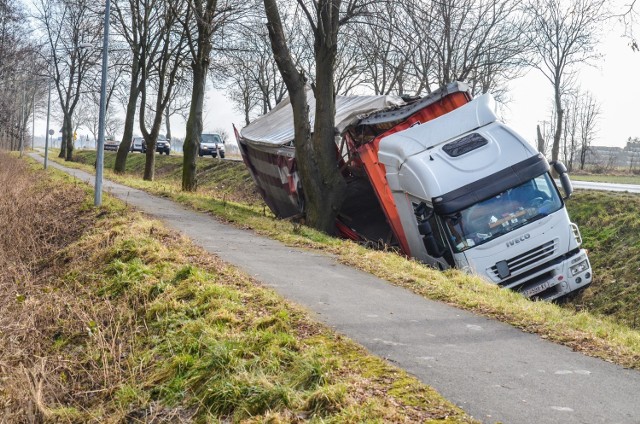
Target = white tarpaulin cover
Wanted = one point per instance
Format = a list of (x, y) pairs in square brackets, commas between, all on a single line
[(276, 127)]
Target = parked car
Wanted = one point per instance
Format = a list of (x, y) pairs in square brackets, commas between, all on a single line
[(110, 143), (211, 144), (137, 144), (163, 145)]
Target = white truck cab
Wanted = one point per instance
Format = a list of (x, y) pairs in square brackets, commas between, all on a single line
[(474, 195)]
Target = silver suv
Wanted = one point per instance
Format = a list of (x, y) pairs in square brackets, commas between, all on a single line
[(211, 144)]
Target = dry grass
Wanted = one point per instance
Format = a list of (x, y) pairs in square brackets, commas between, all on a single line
[(37, 218), (109, 317)]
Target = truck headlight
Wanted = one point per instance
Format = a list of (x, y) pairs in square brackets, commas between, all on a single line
[(577, 269)]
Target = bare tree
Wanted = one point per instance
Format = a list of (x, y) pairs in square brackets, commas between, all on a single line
[(161, 66), (324, 187), (66, 27), (140, 24), (482, 42), (246, 68), (569, 139), (16, 67), (202, 20), (382, 47), (589, 113), (564, 34), (629, 16), (88, 115)]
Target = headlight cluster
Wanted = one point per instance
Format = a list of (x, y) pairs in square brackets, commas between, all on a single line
[(577, 269)]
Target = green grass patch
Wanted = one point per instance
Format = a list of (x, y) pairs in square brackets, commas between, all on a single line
[(221, 346), (610, 227), (607, 178), (594, 334)]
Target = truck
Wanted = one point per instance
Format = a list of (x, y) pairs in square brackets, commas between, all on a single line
[(440, 179)]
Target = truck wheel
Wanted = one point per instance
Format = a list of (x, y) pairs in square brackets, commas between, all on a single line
[(167, 152), (221, 155)]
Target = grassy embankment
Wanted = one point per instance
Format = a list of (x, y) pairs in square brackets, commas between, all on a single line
[(107, 316), (610, 227), (584, 330)]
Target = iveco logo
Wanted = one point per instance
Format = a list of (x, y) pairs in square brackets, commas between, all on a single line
[(518, 240)]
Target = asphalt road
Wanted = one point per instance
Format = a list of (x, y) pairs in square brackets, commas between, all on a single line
[(491, 370), (587, 185)]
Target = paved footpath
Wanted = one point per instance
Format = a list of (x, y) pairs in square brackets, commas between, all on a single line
[(491, 370)]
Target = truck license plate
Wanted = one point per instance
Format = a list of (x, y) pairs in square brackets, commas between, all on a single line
[(537, 289)]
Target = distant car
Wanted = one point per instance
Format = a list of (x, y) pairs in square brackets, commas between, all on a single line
[(137, 144), (211, 144), (163, 145), (110, 143)]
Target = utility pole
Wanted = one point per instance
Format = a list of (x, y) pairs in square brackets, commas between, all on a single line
[(46, 139), (33, 118), (24, 117), (103, 108)]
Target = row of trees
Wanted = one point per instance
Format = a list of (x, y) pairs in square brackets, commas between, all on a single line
[(581, 114), (18, 54), (164, 51)]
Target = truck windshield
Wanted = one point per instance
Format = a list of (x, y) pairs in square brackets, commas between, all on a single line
[(503, 213)]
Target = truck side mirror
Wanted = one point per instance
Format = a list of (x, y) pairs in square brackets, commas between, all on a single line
[(559, 167), (565, 182)]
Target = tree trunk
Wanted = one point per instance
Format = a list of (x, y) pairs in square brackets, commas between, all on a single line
[(63, 141), (323, 186), (541, 148), (70, 140), (555, 150), (194, 128), (150, 162), (325, 191), (167, 121), (295, 82), (129, 120)]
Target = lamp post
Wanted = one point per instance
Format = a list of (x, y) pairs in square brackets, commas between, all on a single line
[(46, 136), (24, 117), (103, 98)]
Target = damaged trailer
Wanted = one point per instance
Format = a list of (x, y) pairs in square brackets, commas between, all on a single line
[(440, 179)]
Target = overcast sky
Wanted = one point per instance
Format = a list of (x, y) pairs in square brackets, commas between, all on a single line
[(613, 81)]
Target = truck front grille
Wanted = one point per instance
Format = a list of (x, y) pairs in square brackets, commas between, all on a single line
[(527, 260)]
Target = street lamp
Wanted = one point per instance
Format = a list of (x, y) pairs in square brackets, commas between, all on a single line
[(97, 201), (49, 132)]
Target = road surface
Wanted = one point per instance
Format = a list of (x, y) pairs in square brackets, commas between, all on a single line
[(588, 185)]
